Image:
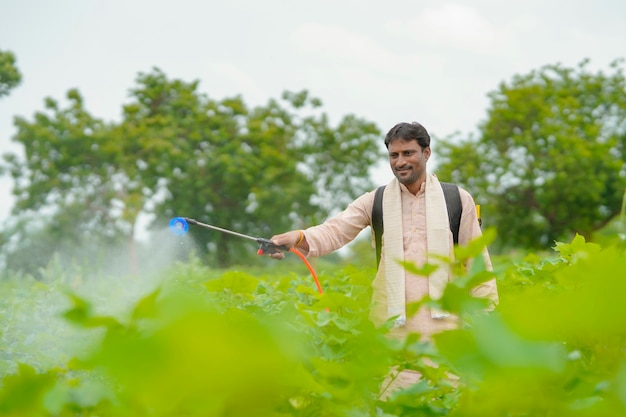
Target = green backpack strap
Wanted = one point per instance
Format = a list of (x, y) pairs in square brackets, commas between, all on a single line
[(453, 202)]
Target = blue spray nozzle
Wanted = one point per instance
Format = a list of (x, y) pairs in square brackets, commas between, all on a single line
[(179, 226)]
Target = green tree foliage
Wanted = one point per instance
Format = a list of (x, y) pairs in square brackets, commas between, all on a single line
[(255, 170), (550, 160), (65, 185), (10, 76), (177, 152)]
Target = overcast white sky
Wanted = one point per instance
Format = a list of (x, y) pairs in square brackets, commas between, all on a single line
[(387, 61)]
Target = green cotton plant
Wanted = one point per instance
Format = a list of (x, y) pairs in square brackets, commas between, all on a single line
[(556, 348), (179, 355), (437, 393), (346, 357), (32, 330), (204, 363), (218, 343), (469, 271), (203, 341), (22, 392)]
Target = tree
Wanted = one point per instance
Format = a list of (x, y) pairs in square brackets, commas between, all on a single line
[(10, 76), (256, 171), (176, 152), (549, 161), (66, 187)]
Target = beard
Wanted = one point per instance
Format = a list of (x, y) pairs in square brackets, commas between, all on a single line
[(406, 177)]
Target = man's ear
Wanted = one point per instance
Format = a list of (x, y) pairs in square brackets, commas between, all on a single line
[(426, 152)]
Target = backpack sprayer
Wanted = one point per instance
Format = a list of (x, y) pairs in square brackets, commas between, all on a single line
[(180, 226)]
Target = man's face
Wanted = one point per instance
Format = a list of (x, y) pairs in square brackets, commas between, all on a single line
[(408, 162)]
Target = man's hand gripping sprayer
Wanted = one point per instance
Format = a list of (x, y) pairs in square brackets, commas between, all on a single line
[(180, 226)]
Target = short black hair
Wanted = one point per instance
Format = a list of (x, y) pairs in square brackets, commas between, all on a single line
[(408, 131)]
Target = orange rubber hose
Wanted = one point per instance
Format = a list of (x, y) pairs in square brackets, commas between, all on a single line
[(308, 265)]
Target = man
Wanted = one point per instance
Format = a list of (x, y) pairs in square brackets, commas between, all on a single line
[(416, 229)]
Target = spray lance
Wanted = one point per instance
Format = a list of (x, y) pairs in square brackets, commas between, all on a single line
[(180, 226)]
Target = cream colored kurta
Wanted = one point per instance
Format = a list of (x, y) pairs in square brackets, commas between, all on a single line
[(343, 228)]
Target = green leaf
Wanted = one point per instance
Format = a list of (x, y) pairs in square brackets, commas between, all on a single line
[(81, 314), (425, 270), (146, 307), (22, 393), (235, 282)]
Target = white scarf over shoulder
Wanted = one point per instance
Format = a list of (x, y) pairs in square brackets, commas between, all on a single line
[(438, 243)]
